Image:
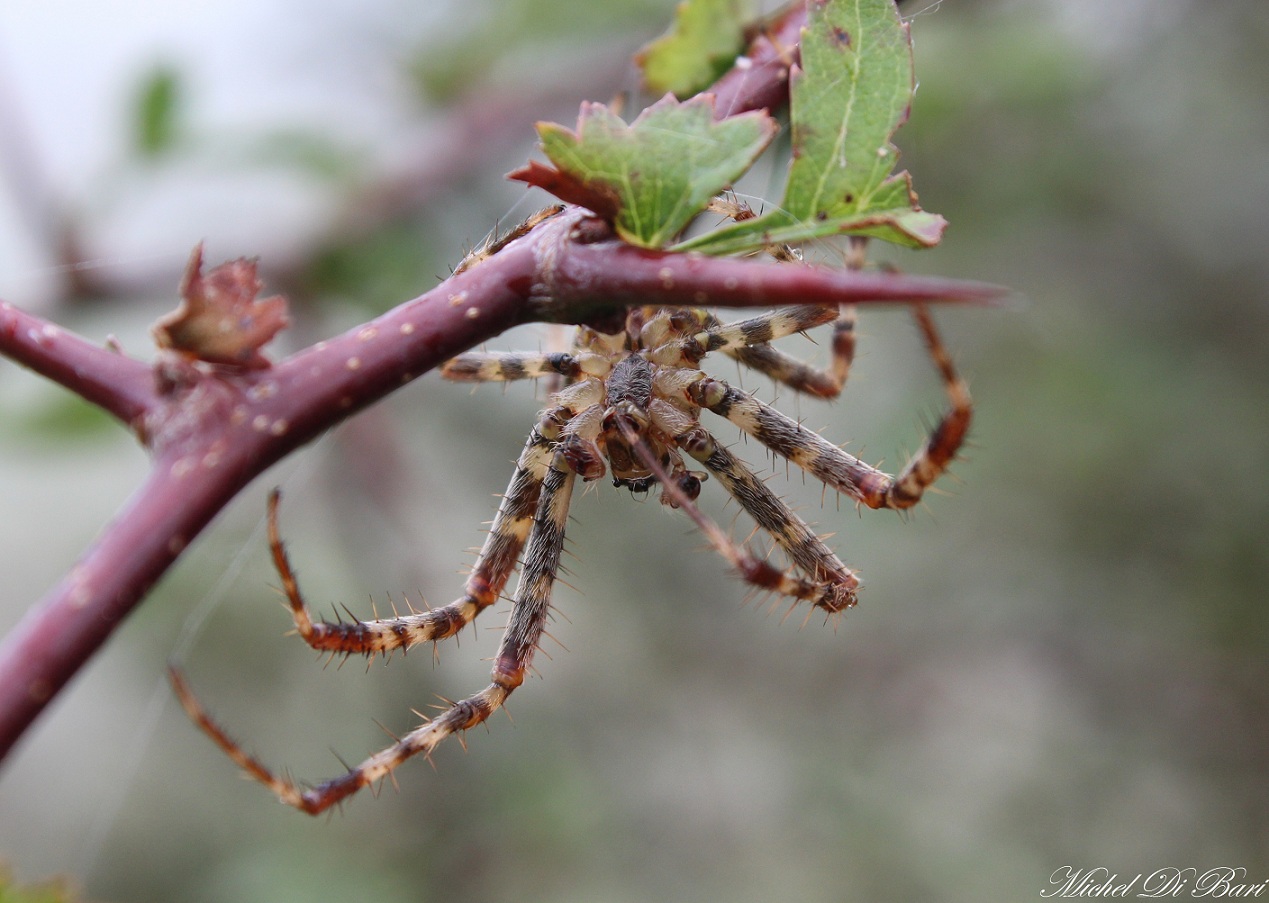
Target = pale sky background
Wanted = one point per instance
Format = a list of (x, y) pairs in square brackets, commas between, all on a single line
[(69, 72)]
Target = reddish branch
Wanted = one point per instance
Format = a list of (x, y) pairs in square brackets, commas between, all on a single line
[(211, 430), (761, 81)]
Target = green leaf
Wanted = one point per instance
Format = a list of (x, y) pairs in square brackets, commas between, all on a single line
[(158, 109), (852, 92), (649, 178), (706, 38)]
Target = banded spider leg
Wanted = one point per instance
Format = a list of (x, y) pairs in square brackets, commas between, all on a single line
[(834, 467), (489, 575), (543, 482), (822, 382), (815, 455), (829, 585)]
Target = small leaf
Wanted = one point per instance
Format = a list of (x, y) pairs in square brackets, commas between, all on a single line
[(706, 38), (158, 112), (649, 178), (220, 320), (852, 92)]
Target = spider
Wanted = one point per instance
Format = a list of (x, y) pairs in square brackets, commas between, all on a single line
[(629, 405)]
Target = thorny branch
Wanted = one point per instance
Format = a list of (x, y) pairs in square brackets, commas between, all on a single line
[(211, 430)]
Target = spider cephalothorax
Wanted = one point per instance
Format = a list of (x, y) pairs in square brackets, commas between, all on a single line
[(629, 406)]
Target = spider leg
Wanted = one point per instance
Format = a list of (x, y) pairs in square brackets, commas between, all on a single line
[(757, 330), (831, 586), (823, 382), (838, 584), (830, 464), (515, 655), (505, 366), (484, 585), (748, 342), (558, 337)]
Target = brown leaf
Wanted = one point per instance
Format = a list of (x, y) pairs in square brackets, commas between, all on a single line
[(220, 319), (596, 196)]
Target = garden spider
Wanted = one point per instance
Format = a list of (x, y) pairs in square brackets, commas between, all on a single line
[(630, 405)]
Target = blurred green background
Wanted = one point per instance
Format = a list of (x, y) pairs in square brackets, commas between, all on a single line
[(1061, 662)]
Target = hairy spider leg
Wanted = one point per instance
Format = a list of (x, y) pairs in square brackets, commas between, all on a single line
[(745, 340), (831, 595), (494, 243), (828, 463), (520, 640), (505, 366), (559, 336), (838, 584), (493, 567), (757, 330), (948, 435), (788, 438), (822, 382)]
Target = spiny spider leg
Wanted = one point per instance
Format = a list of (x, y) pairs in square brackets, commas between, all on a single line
[(757, 330), (948, 435), (504, 366), (823, 382), (484, 585), (745, 340), (788, 438), (515, 655), (826, 382), (750, 567), (495, 243), (830, 464), (794, 535)]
